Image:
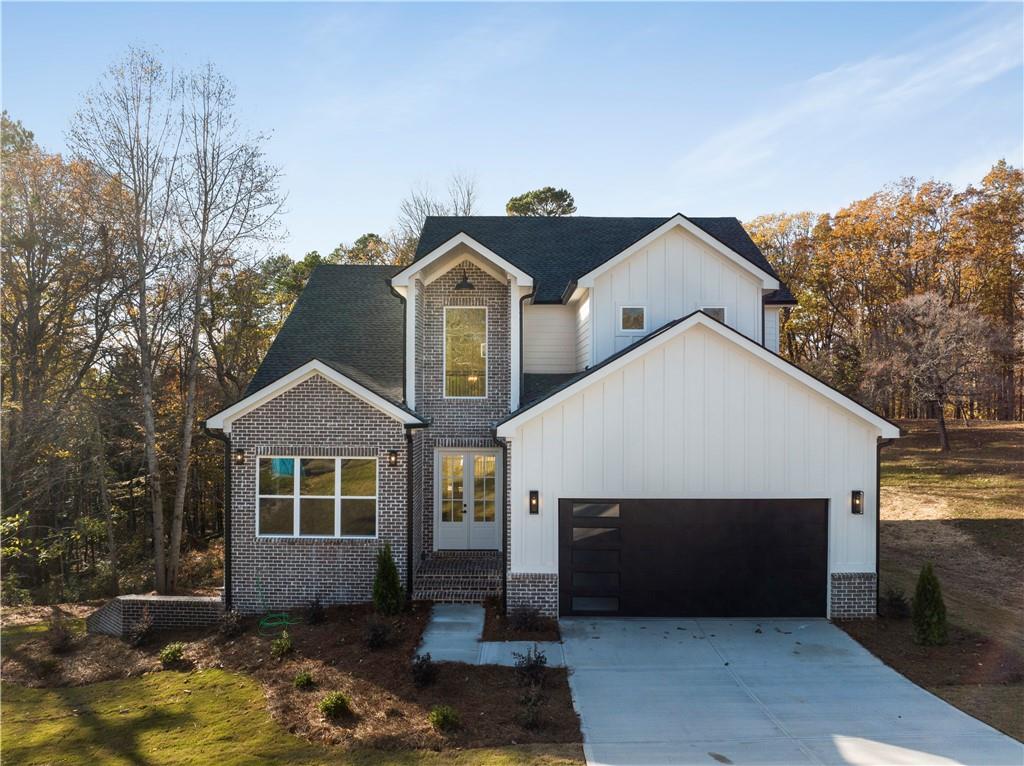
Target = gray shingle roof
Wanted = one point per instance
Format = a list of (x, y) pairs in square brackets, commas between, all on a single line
[(347, 317), (558, 251)]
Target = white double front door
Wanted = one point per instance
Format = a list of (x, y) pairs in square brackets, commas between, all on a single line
[(467, 499)]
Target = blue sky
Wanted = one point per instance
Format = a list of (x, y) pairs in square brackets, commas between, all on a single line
[(642, 109)]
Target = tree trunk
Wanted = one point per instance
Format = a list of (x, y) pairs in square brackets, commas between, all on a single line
[(101, 481), (943, 435)]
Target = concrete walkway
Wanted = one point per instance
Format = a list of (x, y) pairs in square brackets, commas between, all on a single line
[(454, 633), (659, 692)]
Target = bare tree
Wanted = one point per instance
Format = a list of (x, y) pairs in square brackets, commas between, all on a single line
[(227, 200), (129, 129), (936, 350), (420, 203)]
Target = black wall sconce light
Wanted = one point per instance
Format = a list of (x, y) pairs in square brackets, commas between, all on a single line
[(534, 502), (238, 457), (392, 457), (857, 502)]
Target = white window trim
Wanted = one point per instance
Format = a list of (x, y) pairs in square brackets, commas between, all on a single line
[(444, 352), (620, 330), (337, 497), (725, 312)]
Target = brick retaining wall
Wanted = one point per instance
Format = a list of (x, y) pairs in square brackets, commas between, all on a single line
[(119, 616)]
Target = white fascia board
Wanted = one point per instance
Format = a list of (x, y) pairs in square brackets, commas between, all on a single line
[(508, 429), (223, 419), (768, 282), (401, 279)]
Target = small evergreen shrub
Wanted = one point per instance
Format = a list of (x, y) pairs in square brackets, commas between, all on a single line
[(303, 680), (316, 615), (526, 619), (230, 625), (281, 646), (141, 631), (388, 595), (444, 718), (58, 634), (929, 610), (172, 654), (424, 670), (529, 716), (378, 633), (334, 706), (894, 604), (531, 666)]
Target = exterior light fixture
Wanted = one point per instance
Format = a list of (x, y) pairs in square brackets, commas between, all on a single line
[(857, 502), (392, 457), (238, 457), (534, 502), (464, 283)]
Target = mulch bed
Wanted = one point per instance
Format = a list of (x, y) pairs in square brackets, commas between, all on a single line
[(389, 711), (500, 627)]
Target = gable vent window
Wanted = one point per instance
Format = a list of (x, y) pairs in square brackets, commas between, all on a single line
[(715, 312), (465, 352), (632, 319), (317, 497)]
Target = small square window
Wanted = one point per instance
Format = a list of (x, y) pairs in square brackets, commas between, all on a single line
[(715, 312), (632, 319)]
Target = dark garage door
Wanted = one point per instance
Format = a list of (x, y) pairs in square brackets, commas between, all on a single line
[(693, 558)]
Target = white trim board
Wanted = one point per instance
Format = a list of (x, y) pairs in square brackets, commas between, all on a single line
[(507, 430), (401, 279), (768, 282), (223, 419)]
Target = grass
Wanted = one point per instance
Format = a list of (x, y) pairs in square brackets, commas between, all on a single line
[(176, 718)]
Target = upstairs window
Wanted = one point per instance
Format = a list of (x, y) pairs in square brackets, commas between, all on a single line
[(632, 319), (465, 352), (317, 497)]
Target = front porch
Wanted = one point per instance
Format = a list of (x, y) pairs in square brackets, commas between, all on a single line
[(458, 577)]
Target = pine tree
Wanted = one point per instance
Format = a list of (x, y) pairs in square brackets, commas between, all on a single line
[(929, 610), (388, 594)]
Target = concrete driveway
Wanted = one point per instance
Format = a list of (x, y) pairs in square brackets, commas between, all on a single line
[(757, 692)]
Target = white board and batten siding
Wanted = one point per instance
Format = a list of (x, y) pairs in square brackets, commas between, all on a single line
[(584, 337), (698, 416), (549, 338), (771, 328), (672, 277)]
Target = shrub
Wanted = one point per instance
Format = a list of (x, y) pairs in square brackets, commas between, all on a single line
[(424, 670), (281, 645), (444, 718), (530, 716), (58, 634), (230, 625), (378, 633), (172, 654), (388, 596), (894, 604), (526, 619), (316, 615), (531, 666), (304, 680), (140, 632), (334, 706), (929, 610)]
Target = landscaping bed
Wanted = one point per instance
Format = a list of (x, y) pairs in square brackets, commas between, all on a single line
[(521, 626), (387, 709)]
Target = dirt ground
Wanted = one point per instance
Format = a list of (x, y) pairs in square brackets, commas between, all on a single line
[(389, 711), (964, 512)]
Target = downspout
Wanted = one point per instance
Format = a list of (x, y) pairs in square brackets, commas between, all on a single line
[(878, 515), (505, 526), (408, 514), (221, 436)]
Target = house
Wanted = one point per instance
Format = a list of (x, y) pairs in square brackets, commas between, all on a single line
[(587, 415)]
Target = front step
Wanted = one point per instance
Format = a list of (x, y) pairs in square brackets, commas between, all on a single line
[(459, 577)]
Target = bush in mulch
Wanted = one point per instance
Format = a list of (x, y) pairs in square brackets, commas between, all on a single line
[(388, 594), (281, 646), (894, 604), (316, 614), (424, 670), (230, 625), (379, 633), (929, 611), (334, 706), (303, 680), (529, 716), (527, 620), (59, 635), (172, 654), (444, 718), (531, 666), (141, 631)]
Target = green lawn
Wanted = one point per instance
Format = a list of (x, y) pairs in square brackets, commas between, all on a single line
[(194, 718)]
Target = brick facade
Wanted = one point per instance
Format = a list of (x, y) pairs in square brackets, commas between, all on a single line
[(539, 591), (458, 422), (313, 419), (854, 595)]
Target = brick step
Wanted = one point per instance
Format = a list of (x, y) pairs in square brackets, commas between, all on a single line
[(460, 596), (458, 581)]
